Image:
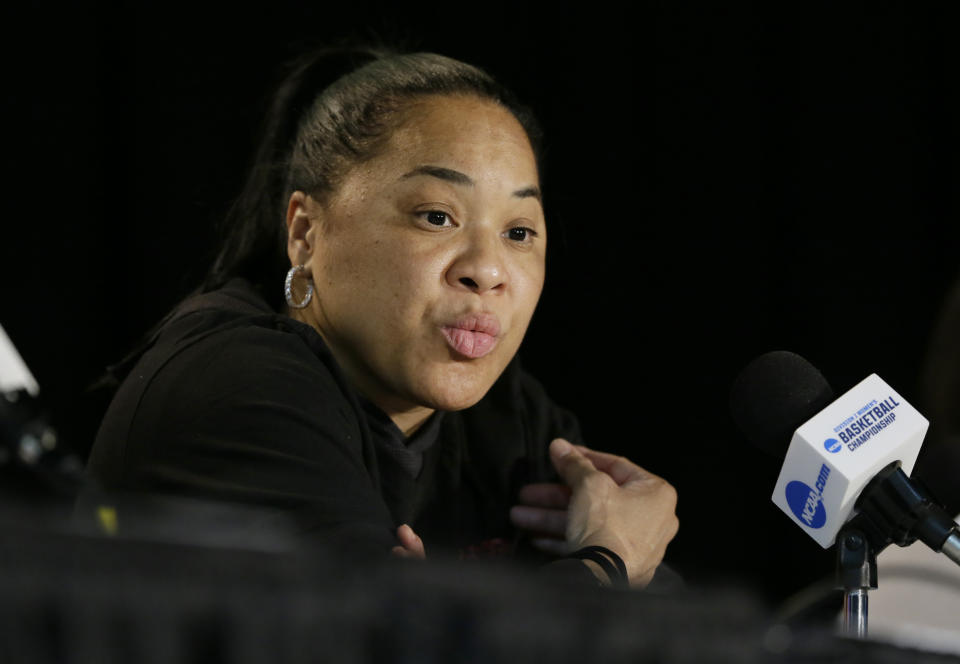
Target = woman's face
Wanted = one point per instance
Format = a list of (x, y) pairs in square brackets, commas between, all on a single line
[(428, 260)]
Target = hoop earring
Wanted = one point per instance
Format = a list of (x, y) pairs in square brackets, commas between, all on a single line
[(288, 289)]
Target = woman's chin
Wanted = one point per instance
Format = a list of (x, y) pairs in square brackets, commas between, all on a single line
[(456, 401), (456, 394)]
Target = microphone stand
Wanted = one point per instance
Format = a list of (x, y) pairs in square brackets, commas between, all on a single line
[(857, 575), (892, 510)]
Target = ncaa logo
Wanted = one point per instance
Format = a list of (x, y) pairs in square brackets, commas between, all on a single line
[(806, 504), (832, 445)]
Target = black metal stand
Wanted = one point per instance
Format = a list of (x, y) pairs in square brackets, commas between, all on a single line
[(857, 575), (892, 509)]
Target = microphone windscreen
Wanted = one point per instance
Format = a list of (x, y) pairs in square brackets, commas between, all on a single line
[(773, 395)]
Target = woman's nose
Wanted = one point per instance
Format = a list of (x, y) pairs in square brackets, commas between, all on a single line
[(479, 267)]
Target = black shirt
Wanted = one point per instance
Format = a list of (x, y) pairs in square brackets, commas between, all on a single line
[(234, 401)]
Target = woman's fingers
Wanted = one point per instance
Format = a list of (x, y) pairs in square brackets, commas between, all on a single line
[(542, 511), (619, 468), (570, 463), (411, 546), (557, 547), (545, 495), (539, 519)]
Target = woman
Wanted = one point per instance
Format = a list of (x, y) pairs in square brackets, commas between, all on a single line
[(380, 402)]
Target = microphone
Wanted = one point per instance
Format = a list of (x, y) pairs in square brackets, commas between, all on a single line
[(847, 458)]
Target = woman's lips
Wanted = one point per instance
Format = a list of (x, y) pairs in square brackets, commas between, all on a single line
[(473, 335)]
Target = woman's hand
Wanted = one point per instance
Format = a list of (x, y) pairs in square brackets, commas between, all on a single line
[(411, 546), (543, 513), (609, 502)]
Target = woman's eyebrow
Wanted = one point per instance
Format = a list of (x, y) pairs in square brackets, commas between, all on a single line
[(457, 177), (529, 192), (442, 173)]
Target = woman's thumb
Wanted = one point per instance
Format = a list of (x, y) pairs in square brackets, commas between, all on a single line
[(570, 463)]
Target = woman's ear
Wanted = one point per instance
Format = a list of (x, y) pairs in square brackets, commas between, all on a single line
[(301, 231)]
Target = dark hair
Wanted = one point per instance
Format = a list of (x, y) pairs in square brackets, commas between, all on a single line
[(334, 110)]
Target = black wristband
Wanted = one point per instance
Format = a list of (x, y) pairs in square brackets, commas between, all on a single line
[(611, 564)]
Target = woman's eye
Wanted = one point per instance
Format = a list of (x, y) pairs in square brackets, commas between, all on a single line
[(436, 218), (521, 234)]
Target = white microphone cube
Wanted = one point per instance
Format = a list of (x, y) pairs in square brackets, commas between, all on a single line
[(836, 453)]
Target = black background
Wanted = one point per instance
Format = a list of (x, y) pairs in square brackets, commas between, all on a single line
[(720, 181)]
